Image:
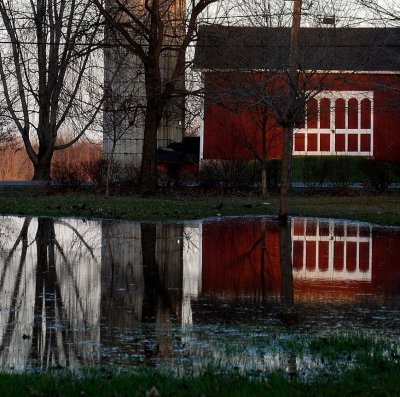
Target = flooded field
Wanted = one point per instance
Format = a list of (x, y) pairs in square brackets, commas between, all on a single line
[(235, 293)]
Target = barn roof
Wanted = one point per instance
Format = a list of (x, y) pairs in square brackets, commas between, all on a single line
[(249, 48)]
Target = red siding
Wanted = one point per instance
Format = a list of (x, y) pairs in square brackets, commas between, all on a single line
[(232, 131)]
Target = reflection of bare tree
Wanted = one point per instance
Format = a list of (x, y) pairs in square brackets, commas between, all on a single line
[(153, 286), (49, 309), (122, 294), (169, 263), (162, 266), (264, 252), (246, 264), (288, 315), (22, 239), (144, 264), (286, 263), (44, 297)]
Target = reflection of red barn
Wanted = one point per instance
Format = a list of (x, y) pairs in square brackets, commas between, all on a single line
[(330, 260), (354, 73), (234, 261)]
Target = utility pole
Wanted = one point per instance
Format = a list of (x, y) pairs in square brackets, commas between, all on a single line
[(294, 36), (292, 110)]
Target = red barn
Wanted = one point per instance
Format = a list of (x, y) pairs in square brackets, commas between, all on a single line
[(349, 78)]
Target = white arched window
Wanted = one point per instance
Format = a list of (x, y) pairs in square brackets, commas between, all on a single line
[(337, 122)]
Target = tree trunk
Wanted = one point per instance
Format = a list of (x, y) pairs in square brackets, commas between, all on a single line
[(148, 169), (286, 173), (287, 296), (42, 169), (154, 109), (151, 278), (264, 180), (109, 165), (264, 255), (264, 158)]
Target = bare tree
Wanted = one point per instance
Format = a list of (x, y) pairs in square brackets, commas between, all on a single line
[(295, 101), (44, 64), (382, 12), (287, 108), (7, 138), (156, 32)]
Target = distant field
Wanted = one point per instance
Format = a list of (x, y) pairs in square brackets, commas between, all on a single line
[(74, 161)]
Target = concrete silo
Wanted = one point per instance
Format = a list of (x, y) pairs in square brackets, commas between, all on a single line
[(124, 77)]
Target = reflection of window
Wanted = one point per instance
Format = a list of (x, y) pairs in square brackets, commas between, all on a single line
[(331, 251), (337, 122)]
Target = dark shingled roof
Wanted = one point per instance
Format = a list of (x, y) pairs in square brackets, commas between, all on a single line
[(249, 48)]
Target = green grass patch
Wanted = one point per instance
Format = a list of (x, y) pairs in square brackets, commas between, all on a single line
[(337, 346), (374, 378), (382, 209)]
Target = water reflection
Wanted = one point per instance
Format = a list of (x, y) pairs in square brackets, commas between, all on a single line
[(76, 293), (49, 293)]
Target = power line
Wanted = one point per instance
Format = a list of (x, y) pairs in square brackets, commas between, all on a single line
[(229, 17)]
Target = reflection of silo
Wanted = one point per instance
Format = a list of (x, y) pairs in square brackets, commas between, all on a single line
[(122, 274), (192, 266), (125, 87), (141, 273), (169, 262), (142, 281)]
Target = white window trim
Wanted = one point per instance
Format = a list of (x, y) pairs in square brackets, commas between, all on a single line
[(334, 96)]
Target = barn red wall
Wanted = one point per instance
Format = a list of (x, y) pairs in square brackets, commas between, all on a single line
[(232, 132)]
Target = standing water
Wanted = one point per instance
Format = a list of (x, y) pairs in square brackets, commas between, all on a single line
[(235, 293)]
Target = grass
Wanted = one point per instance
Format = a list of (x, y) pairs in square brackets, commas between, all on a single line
[(382, 209), (374, 378)]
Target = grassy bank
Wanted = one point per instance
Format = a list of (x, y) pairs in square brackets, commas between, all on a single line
[(376, 378), (383, 209)]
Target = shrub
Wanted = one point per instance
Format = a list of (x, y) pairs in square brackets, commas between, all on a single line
[(78, 163), (123, 178), (238, 174), (15, 164), (228, 174), (340, 171), (93, 170), (379, 174), (274, 167), (314, 170)]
